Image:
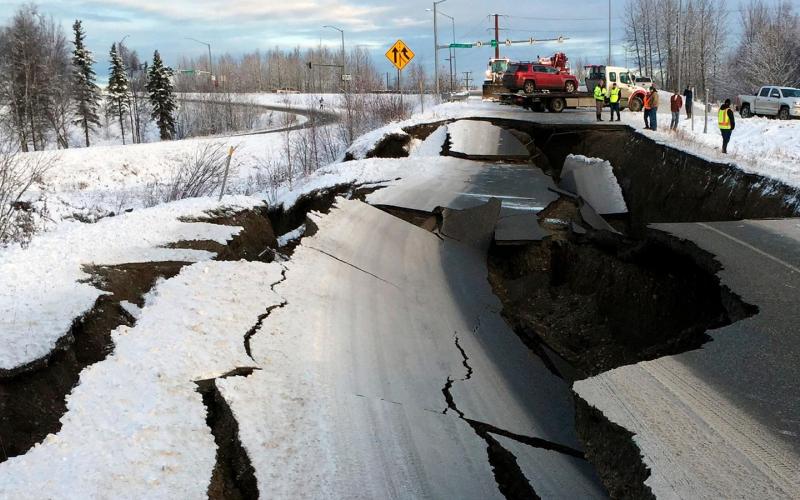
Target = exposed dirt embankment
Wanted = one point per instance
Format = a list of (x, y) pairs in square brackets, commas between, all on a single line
[(663, 184), (614, 454), (602, 301), (32, 400)]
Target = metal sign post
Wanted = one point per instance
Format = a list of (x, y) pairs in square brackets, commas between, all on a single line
[(691, 110), (400, 89), (227, 168)]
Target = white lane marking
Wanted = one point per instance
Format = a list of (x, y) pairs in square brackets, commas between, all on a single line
[(751, 247)]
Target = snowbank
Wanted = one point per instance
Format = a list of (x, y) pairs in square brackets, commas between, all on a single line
[(135, 425), (761, 146), (42, 291)]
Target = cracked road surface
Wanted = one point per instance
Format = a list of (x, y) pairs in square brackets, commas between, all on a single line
[(351, 397), (736, 398)]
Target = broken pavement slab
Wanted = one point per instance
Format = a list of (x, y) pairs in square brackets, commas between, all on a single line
[(593, 180), (460, 184), (723, 420), (481, 140)]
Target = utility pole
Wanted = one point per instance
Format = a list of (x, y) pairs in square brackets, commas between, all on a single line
[(497, 36), (436, 48)]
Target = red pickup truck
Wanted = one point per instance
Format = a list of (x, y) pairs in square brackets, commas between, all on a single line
[(532, 77)]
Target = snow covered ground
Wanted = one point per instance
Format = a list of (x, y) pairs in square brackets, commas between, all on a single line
[(759, 145), (43, 292), (135, 425)]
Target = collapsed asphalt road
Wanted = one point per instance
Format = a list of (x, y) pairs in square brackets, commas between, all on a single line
[(395, 352)]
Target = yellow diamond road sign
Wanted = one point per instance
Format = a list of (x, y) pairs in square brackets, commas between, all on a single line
[(399, 54)]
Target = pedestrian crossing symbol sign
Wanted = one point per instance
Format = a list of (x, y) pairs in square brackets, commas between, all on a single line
[(399, 54)]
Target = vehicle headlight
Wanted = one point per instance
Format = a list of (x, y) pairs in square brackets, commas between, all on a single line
[(797, 104)]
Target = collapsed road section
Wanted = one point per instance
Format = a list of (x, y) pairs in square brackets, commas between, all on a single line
[(353, 368), (427, 342)]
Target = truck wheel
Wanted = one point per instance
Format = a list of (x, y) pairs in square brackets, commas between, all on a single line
[(529, 87), (635, 104), (783, 114), (570, 87), (557, 105), (745, 111)]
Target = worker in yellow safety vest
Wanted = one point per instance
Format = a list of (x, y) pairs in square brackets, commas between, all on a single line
[(600, 98), (613, 99), (726, 123)]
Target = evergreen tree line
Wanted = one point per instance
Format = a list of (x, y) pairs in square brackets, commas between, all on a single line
[(686, 42), (47, 87)]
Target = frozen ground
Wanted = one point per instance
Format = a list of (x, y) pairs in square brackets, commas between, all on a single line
[(42, 292), (135, 425)]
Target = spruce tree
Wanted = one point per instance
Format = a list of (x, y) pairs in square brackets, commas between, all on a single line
[(162, 97), (86, 92), (118, 88)]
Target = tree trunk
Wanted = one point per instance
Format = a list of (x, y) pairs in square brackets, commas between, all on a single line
[(121, 122)]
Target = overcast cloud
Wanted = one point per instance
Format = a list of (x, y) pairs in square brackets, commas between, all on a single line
[(239, 26)]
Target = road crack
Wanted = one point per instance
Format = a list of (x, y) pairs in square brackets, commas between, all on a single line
[(252, 331), (510, 478), (352, 265)]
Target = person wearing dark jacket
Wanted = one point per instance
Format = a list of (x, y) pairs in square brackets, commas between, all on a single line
[(688, 96), (726, 124), (675, 103)]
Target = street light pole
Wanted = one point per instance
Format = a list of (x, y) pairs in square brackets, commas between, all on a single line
[(609, 32), (210, 64), (453, 67), (341, 31), (436, 48)]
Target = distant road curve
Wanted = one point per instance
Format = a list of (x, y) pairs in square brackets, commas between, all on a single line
[(325, 117)]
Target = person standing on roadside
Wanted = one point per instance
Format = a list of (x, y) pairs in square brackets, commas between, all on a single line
[(726, 124), (675, 105), (646, 107), (653, 108), (613, 99), (688, 95), (600, 98)]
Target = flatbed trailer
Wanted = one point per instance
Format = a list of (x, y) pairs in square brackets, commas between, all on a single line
[(555, 102)]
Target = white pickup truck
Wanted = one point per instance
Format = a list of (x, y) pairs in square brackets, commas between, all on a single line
[(783, 102)]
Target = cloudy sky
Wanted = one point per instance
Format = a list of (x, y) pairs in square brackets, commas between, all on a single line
[(237, 26)]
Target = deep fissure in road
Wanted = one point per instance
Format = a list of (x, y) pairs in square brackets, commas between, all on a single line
[(32, 399), (233, 477), (588, 301), (511, 481)]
